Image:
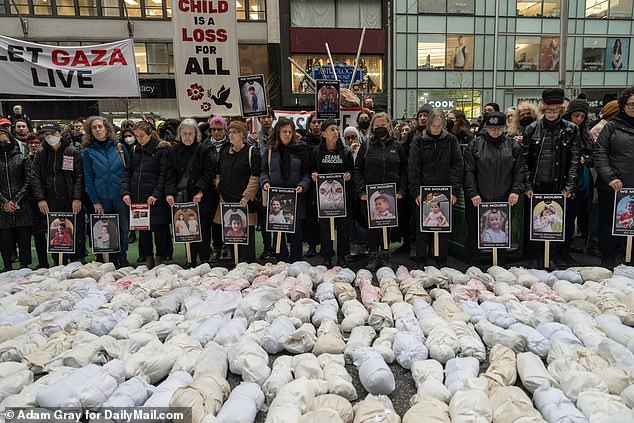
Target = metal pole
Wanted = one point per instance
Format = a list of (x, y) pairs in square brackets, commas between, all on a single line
[(563, 42), (390, 55), (356, 61), (332, 64), (495, 50), (310, 78)]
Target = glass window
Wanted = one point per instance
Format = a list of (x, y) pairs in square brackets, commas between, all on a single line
[(432, 6), (87, 7), (313, 13), (42, 7), (153, 8), (132, 8), (65, 7), (459, 52), (593, 54), (22, 6), (619, 51), (157, 58), (550, 53), (552, 9), (140, 57), (620, 9), (527, 53), (371, 68), (431, 52), (253, 59), (546, 8), (110, 8), (257, 10), (464, 7), (597, 9)]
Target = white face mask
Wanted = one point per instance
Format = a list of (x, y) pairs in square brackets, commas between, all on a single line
[(52, 140), (129, 140)]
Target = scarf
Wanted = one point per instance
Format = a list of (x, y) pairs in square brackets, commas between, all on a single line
[(298, 150)]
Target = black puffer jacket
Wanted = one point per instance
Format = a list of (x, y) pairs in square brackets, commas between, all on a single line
[(494, 168), (14, 186), (145, 176), (380, 163), (201, 174), (51, 182), (614, 152), (435, 161), (563, 136)]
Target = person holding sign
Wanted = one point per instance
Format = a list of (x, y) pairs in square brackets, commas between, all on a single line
[(380, 160), (238, 177), (104, 160), (613, 160), (551, 152), (435, 159), (17, 213), (190, 169), (57, 181), (331, 157), (144, 182), (494, 172), (287, 165)]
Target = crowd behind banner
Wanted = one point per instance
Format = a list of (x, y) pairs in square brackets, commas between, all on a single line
[(215, 184)]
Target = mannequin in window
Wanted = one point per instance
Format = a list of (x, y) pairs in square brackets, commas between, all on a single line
[(460, 54), (617, 55)]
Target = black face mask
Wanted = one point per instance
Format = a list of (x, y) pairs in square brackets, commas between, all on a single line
[(380, 133), (364, 124), (450, 124), (526, 120)]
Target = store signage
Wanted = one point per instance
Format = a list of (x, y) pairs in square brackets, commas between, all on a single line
[(344, 74), (206, 61), (157, 88), (102, 70)]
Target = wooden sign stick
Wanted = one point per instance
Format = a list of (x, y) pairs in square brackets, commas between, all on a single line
[(547, 254), (106, 258), (628, 250), (386, 246), (60, 259), (332, 228), (278, 244), (235, 254), (188, 250), (495, 256), (436, 244)]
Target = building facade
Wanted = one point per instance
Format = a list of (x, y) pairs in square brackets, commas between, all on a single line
[(86, 22), (446, 52)]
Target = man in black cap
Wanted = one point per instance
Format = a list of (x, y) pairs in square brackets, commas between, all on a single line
[(551, 152), (57, 180)]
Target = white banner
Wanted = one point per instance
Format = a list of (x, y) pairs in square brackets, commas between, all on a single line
[(206, 57), (348, 117), (102, 70)]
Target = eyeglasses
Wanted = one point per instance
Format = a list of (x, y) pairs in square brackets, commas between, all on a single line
[(552, 109), (217, 129), (351, 137), (234, 132), (630, 104)]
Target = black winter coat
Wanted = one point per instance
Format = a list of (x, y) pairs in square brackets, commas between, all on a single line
[(201, 174), (380, 163), (51, 182), (494, 168), (614, 152), (145, 175), (564, 137), (435, 161), (14, 186)]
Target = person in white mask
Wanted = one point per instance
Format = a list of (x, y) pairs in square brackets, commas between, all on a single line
[(57, 180)]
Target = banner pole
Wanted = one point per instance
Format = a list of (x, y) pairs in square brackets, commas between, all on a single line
[(332, 228), (356, 61), (495, 256), (332, 64), (628, 250), (436, 244), (547, 254)]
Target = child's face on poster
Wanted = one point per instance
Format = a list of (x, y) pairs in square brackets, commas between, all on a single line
[(435, 207), (236, 225), (381, 205), (275, 206), (494, 220)]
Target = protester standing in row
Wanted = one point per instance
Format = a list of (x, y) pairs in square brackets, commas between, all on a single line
[(266, 122), (218, 140)]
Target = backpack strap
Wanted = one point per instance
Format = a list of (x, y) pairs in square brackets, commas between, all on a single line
[(121, 154)]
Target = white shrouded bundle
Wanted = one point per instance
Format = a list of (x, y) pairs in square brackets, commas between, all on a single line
[(383, 344), (212, 358), (203, 396), (360, 337), (458, 371), (339, 381), (511, 405), (293, 400), (380, 316), (502, 369), (27, 397), (485, 278), (325, 291), (470, 343), (152, 362), (139, 317), (103, 325), (255, 305), (327, 309), (231, 331), (329, 339), (390, 292), (330, 404), (281, 374), (502, 275), (131, 393), (426, 409), (307, 366), (557, 332), (54, 395), (455, 276), (408, 347), (275, 335), (207, 330), (555, 407), (242, 405), (218, 302), (281, 307), (471, 403), (401, 309), (536, 342), (91, 393), (428, 377), (427, 316), (532, 372), (303, 309), (163, 393), (385, 272), (301, 340), (568, 275), (443, 343), (354, 315), (13, 377), (604, 408), (577, 381), (492, 335), (249, 360), (496, 313), (570, 291), (375, 408), (408, 323), (612, 326), (472, 308), (374, 374)]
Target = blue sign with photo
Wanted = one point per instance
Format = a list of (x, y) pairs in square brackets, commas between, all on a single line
[(344, 74)]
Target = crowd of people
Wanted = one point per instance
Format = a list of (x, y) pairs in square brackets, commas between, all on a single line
[(92, 167)]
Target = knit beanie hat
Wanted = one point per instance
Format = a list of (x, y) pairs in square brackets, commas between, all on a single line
[(425, 108), (578, 105)]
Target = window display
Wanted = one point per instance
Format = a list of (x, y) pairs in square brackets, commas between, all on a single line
[(527, 52), (619, 51), (431, 52), (593, 54), (550, 53), (545, 8), (369, 77), (460, 52)]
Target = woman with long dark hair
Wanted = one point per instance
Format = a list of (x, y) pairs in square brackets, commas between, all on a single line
[(617, 55), (458, 125)]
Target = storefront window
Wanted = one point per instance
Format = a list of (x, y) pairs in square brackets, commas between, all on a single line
[(22, 6), (153, 8), (87, 7), (432, 6), (251, 10), (65, 7), (620, 9), (462, 7), (253, 59), (593, 54), (551, 9), (597, 9), (110, 8), (460, 52), (140, 57), (431, 52), (527, 53), (550, 53), (133, 8), (467, 100), (42, 7), (545, 8), (157, 58), (369, 78), (618, 52)]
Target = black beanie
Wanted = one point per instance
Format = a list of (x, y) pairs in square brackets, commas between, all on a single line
[(552, 96), (578, 105)]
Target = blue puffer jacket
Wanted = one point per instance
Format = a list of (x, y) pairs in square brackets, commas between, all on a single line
[(103, 170)]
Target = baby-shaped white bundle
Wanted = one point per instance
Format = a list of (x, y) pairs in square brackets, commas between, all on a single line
[(408, 347), (383, 344), (374, 374), (275, 335), (249, 360), (339, 381), (354, 315), (470, 343), (428, 377), (458, 371), (329, 338), (360, 337), (243, 404), (281, 374), (301, 340)]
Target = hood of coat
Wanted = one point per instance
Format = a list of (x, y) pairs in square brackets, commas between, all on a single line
[(428, 138)]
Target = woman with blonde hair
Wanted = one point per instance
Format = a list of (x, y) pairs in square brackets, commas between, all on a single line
[(524, 114)]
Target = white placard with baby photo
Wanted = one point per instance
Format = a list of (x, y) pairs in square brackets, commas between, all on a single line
[(435, 209)]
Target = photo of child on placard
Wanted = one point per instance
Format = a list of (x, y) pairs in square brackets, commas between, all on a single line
[(435, 209), (252, 95), (185, 221), (61, 233), (382, 212), (235, 224), (494, 225), (105, 233), (331, 196), (547, 220), (327, 99), (281, 209), (623, 223)]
